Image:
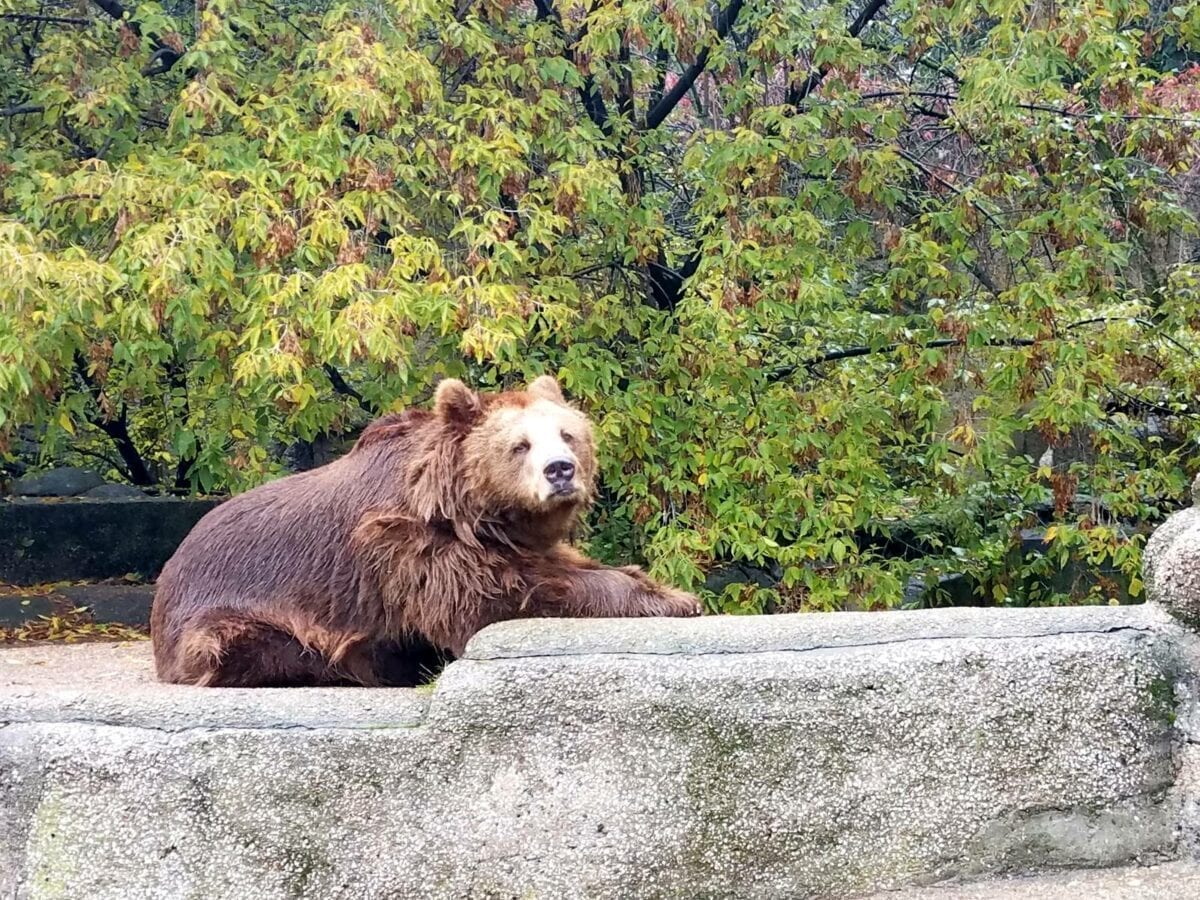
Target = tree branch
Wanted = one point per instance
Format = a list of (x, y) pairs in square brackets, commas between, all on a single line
[(593, 103), (116, 428), (783, 372), (796, 95), (113, 8), (668, 102), (300, 31), (25, 109), (103, 457), (624, 82), (1032, 107), (341, 386), (660, 85), (160, 61), (54, 20), (164, 57)]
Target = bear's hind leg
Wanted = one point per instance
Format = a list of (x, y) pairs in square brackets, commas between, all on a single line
[(268, 657), (407, 662), (229, 649)]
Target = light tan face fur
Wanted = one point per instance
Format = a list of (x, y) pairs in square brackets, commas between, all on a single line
[(519, 454)]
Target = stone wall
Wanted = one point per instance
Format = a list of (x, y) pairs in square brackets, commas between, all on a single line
[(783, 756), (1171, 567), (86, 538)]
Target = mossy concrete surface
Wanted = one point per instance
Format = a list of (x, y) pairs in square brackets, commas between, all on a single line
[(766, 757)]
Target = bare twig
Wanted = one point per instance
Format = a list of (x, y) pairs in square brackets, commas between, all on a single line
[(669, 100), (53, 20), (164, 57), (341, 386), (67, 198), (25, 109), (300, 31), (797, 93)]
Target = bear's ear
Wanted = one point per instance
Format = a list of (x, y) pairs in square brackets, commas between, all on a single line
[(546, 387), (453, 401)]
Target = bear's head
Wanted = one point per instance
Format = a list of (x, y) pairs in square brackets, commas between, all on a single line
[(524, 454)]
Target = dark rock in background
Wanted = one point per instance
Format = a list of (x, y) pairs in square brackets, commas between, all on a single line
[(1031, 444), (115, 492), (1076, 579), (943, 590), (64, 482), (724, 574), (323, 449)]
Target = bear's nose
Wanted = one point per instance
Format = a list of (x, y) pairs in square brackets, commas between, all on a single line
[(559, 472)]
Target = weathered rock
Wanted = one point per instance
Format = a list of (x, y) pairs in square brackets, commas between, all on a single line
[(115, 492), (953, 589), (725, 574), (63, 482), (755, 757), (1031, 444), (1171, 563), (321, 450), (82, 539), (1169, 881), (10, 469)]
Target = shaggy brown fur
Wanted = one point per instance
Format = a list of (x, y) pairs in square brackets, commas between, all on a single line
[(379, 566)]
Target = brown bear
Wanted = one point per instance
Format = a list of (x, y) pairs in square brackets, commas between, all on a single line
[(368, 569)]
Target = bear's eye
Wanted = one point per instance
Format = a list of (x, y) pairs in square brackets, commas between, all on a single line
[(522, 447), (567, 437)]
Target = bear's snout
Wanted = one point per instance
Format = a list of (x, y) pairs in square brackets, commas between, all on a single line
[(560, 472)]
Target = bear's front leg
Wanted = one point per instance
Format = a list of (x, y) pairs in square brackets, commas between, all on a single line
[(566, 583)]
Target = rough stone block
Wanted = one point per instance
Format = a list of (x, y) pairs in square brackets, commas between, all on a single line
[(61, 482), (1179, 880), (1171, 563), (124, 604), (757, 757), (115, 492)]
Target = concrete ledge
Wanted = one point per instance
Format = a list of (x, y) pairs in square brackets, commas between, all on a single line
[(784, 756), (1168, 881), (68, 539), (114, 684), (124, 604), (798, 633)]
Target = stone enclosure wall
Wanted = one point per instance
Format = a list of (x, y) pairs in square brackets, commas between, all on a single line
[(785, 756), (759, 757)]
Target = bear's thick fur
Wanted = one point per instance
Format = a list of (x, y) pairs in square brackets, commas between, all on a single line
[(384, 563)]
